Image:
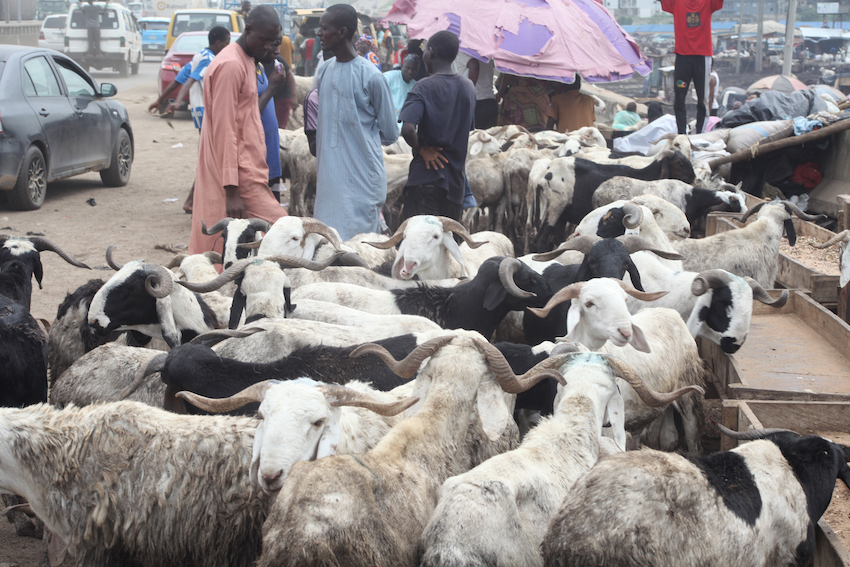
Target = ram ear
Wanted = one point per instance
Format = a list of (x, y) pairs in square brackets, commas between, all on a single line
[(420, 390), (38, 271), (255, 457), (491, 409), (638, 340), (56, 549), (635, 275), (790, 232), (329, 441), (237, 306), (454, 250), (288, 308), (165, 314), (573, 317), (476, 148), (495, 295)]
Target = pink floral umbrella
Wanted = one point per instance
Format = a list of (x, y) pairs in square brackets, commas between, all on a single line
[(547, 39)]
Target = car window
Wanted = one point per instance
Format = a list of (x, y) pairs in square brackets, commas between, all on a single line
[(108, 20), (190, 43), (55, 22), (39, 79), (154, 26), (200, 22), (77, 84)]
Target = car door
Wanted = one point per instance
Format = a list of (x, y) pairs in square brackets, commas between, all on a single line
[(93, 122), (58, 123)]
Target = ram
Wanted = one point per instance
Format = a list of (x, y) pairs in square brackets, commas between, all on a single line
[(756, 505), (370, 509), (155, 489), (497, 513)]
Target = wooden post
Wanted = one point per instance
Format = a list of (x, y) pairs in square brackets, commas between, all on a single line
[(844, 224)]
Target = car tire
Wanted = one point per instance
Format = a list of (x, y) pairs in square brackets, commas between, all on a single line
[(118, 173), (31, 187), (122, 69)]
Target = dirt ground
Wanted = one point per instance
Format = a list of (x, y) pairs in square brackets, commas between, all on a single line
[(137, 218)]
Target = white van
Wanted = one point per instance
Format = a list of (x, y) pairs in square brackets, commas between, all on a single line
[(120, 39)]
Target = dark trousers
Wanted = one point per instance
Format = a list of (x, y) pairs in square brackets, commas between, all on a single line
[(94, 39), (486, 113), (429, 200), (696, 68)]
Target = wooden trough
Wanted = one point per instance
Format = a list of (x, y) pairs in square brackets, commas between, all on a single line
[(792, 273)]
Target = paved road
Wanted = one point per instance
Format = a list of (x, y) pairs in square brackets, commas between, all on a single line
[(148, 71)]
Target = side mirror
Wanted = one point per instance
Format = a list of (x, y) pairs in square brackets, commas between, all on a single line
[(108, 89)]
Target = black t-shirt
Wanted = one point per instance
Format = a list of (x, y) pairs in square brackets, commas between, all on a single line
[(444, 108), (283, 93)]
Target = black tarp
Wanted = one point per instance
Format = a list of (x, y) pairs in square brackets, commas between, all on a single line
[(772, 105)]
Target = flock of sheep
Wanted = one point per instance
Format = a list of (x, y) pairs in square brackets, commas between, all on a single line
[(427, 398)]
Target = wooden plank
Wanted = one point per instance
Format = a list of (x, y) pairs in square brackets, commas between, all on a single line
[(741, 392), (729, 417), (829, 551), (844, 224), (803, 417), (835, 331)]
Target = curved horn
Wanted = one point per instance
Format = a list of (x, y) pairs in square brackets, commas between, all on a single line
[(564, 346), (632, 216), (507, 268), (709, 279), (647, 395), (224, 277), (41, 244), (460, 230), (793, 208), (259, 224), (581, 243), (216, 228), (351, 259), (176, 261), (109, 259), (837, 238), (316, 226), (253, 393), (297, 262), (156, 364), (635, 243), (159, 282), (212, 338), (393, 240), (213, 256), (510, 382), (342, 396), (760, 294), (250, 245), (564, 294), (752, 434), (752, 211), (407, 367), (642, 295)]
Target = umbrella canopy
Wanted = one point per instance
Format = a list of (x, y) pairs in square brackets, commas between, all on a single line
[(779, 83), (546, 39)]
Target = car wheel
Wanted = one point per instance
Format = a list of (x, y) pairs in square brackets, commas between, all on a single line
[(122, 68), (118, 173), (30, 189)]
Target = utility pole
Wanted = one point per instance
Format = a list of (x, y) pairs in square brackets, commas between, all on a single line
[(760, 38), (740, 33), (789, 36)]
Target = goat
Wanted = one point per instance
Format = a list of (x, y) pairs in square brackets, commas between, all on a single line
[(497, 513), (23, 356), (370, 509), (755, 505), (751, 251), (233, 233), (113, 509), (501, 285), (695, 202), (843, 238), (606, 220), (569, 183)]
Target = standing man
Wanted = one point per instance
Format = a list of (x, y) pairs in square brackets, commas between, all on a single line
[(401, 81), (92, 13), (571, 109), (232, 178), (692, 26), (356, 116), (273, 77), (481, 75), (438, 115)]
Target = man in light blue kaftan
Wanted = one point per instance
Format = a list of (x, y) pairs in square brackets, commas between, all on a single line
[(356, 116)]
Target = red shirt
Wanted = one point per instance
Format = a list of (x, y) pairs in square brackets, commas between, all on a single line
[(692, 24)]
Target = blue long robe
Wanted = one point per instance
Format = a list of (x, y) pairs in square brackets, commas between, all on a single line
[(356, 116)]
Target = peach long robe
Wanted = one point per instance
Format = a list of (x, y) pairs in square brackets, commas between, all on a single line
[(232, 150)]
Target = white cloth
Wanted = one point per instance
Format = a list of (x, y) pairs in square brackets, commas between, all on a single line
[(641, 140), (356, 116), (715, 102)]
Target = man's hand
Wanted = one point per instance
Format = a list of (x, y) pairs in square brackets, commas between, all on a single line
[(293, 102), (276, 81), (171, 108), (233, 202), (154, 107), (433, 157)]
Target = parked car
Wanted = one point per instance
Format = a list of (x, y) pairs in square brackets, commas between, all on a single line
[(120, 40), (138, 9), (183, 21), (57, 122), (153, 31), (186, 46), (52, 34)]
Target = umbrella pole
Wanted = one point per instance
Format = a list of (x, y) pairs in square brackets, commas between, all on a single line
[(790, 20), (740, 33), (760, 38), (759, 149)]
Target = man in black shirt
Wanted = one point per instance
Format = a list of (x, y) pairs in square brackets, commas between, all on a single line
[(92, 13), (442, 106)]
